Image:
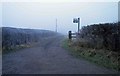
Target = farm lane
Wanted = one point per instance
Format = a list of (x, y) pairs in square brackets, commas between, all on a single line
[(48, 57)]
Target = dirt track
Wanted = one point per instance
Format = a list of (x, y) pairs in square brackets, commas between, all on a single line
[(48, 57)]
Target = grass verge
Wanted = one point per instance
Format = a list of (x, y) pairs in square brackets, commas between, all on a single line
[(97, 56), (14, 49)]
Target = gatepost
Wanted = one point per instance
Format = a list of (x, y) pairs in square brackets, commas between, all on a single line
[(70, 35)]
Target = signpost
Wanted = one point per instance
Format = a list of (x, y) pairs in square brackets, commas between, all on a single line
[(77, 20), (75, 35)]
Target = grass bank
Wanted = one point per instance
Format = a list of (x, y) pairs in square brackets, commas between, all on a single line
[(15, 48), (101, 57)]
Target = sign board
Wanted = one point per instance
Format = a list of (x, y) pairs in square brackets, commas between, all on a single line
[(75, 20)]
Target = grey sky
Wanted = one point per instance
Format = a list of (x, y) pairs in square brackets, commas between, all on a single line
[(42, 15)]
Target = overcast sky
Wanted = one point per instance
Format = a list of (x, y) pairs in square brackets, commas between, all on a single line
[(42, 15)]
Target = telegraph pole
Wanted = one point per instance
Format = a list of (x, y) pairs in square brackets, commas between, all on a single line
[(56, 26), (78, 25)]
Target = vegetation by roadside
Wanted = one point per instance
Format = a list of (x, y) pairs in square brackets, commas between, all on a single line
[(14, 49), (106, 58), (17, 38)]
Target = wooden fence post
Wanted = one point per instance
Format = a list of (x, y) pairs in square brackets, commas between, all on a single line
[(70, 35)]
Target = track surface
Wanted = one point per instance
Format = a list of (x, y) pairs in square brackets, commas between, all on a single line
[(48, 57)]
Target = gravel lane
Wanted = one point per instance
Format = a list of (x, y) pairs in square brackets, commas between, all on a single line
[(48, 57)]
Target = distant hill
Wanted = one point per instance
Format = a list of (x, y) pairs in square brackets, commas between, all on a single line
[(12, 37)]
